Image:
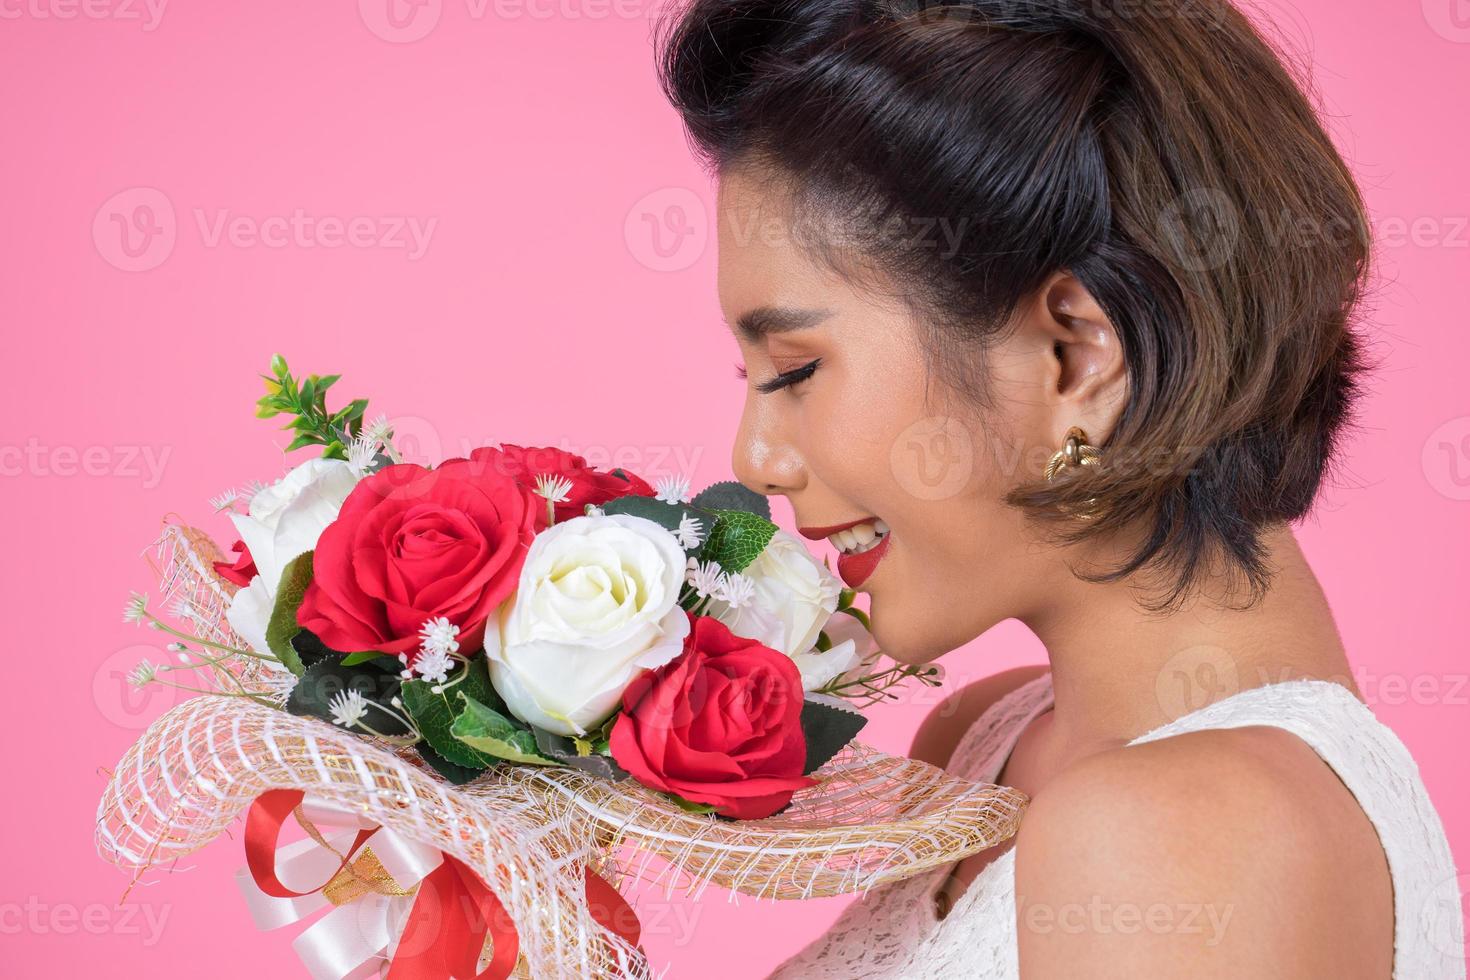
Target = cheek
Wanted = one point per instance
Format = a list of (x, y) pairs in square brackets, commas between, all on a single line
[(962, 560)]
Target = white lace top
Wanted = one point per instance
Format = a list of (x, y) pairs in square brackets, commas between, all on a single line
[(895, 933)]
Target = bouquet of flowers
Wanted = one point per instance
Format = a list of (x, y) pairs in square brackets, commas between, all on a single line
[(542, 635)]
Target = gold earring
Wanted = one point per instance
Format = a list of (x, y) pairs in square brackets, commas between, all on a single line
[(1074, 452)]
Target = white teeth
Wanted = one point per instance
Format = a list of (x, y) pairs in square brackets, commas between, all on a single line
[(859, 538)]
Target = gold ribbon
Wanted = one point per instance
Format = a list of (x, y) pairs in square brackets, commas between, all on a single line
[(361, 876)]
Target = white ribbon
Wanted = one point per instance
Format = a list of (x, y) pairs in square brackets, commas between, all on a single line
[(354, 940)]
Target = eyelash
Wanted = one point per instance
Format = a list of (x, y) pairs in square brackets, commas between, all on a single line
[(783, 380)]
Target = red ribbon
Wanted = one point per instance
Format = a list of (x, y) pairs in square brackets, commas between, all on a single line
[(263, 831), (453, 911)]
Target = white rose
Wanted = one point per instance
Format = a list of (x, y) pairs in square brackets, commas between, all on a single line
[(285, 521), (851, 652), (596, 603), (794, 596)]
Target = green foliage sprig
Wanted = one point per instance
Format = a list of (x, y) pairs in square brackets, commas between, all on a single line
[(307, 401)]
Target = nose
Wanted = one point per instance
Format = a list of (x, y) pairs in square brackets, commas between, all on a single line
[(764, 458)]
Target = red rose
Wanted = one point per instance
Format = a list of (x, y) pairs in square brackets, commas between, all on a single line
[(720, 724), (411, 544), (241, 570), (589, 485)]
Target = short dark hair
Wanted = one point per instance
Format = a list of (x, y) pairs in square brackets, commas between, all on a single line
[(1160, 150)]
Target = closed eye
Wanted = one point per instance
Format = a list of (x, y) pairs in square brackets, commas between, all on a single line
[(784, 379)]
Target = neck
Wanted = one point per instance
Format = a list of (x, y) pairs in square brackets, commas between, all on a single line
[(1119, 671)]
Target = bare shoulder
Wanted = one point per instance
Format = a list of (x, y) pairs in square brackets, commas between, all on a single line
[(1227, 853), (944, 726)]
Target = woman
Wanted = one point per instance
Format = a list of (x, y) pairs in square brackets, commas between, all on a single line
[(1026, 338)]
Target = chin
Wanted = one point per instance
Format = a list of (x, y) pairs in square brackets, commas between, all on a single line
[(904, 638), (918, 633)]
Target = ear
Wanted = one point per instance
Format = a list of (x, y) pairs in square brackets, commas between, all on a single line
[(1085, 374)]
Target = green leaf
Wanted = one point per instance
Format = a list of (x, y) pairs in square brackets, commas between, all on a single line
[(309, 648), (689, 806), (455, 773), (434, 713), (828, 725), (565, 751), (325, 679), (858, 615), (729, 495), (303, 440), (278, 365), (493, 733), (282, 625), (388, 661), (737, 539), (665, 515)]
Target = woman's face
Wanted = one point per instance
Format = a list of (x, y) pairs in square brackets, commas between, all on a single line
[(863, 433)]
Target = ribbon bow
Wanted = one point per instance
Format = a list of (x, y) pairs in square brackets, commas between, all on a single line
[(425, 912)]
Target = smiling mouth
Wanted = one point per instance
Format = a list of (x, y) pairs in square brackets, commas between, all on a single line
[(860, 545), (859, 538)]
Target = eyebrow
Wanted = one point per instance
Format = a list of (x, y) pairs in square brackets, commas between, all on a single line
[(757, 323)]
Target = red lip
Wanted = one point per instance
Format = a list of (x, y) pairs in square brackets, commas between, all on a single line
[(818, 533), (855, 569)]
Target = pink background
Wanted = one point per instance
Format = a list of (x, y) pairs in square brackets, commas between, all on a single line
[(564, 295)]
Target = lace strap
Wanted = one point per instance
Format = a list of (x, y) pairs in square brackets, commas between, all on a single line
[(984, 748)]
